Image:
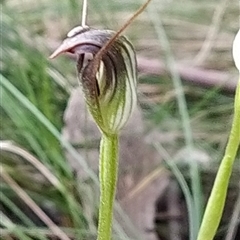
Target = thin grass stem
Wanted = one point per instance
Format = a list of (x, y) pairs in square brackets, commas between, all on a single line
[(13, 207), (5, 84), (183, 184), (41, 118), (10, 147), (182, 106), (19, 213), (32, 205), (7, 223), (84, 12)]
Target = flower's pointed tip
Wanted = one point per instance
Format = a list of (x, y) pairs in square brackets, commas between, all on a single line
[(57, 52), (52, 56), (69, 42), (61, 49)]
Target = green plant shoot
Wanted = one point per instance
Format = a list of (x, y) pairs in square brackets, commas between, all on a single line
[(215, 205)]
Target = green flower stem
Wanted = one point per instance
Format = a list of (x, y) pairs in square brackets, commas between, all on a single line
[(108, 170), (215, 205)]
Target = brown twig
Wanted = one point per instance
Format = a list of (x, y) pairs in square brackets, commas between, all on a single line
[(195, 75)]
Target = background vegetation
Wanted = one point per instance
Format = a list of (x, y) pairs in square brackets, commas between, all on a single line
[(35, 91)]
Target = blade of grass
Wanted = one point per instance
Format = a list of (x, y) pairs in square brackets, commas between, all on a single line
[(182, 182), (38, 138), (182, 106), (212, 33), (34, 232), (74, 208), (26, 103), (19, 213), (6, 222), (33, 206), (10, 147), (41, 118)]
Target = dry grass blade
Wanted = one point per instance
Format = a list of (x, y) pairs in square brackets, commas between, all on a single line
[(10, 147), (84, 13), (211, 35), (144, 183), (7, 223), (32, 205)]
